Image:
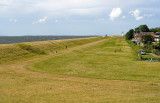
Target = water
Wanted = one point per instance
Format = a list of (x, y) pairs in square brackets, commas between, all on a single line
[(19, 39)]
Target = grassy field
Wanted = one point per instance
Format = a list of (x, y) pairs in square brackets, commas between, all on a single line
[(88, 71)]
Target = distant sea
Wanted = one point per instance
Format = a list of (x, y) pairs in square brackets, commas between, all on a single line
[(19, 39)]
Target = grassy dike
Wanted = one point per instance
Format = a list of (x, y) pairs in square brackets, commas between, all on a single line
[(89, 70), (23, 51), (100, 61)]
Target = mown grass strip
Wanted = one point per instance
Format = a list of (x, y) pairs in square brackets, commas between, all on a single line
[(100, 61)]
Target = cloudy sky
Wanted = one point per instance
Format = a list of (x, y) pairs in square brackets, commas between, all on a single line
[(76, 17)]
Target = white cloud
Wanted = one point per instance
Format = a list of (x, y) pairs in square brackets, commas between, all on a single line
[(52, 7), (123, 17), (86, 11), (67, 8), (115, 13), (148, 15), (60, 7), (136, 14), (56, 21), (139, 18), (43, 20), (13, 20)]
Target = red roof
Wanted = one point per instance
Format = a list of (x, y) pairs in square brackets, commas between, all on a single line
[(138, 36), (144, 33)]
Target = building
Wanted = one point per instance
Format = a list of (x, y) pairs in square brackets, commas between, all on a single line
[(145, 33), (138, 36), (157, 36), (122, 34), (137, 39)]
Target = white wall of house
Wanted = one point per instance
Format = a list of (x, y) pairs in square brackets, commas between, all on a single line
[(156, 39)]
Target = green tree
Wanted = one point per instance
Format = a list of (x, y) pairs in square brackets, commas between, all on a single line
[(148, 48), (130, 34), (142, 28), (155, 29), (147, 39), (137, 30)]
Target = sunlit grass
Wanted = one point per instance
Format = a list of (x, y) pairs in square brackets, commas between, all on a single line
[(88, 71), (100, 61), (12, 52)]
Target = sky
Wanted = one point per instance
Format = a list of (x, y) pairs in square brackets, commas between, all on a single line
[(76, 17)]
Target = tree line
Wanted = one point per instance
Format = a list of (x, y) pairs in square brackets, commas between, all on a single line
[(142, 28), (147, 39)]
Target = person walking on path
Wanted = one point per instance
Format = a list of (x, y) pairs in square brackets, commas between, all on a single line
[(120, 49)]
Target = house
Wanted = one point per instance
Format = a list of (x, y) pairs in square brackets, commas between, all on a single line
[(157, 36), (137, 39), (138, 36)]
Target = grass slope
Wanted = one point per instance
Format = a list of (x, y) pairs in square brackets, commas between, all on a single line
[(23, 51), (100, 61), (94, 59)]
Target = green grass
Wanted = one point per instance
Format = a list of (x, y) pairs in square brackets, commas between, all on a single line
[(11, 52), (100, 61), (31, 49), (88, 71), (23, 51)]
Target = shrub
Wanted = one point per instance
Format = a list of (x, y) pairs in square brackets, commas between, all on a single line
[(147, 39), (148, 48)]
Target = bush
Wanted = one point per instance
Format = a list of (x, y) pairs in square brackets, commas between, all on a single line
[(148, 48), (147, 39), (31, 49)]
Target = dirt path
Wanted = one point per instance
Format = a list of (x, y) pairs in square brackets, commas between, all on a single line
[(154, 55)]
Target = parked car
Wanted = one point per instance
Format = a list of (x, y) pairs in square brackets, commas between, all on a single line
[(143, 52)]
